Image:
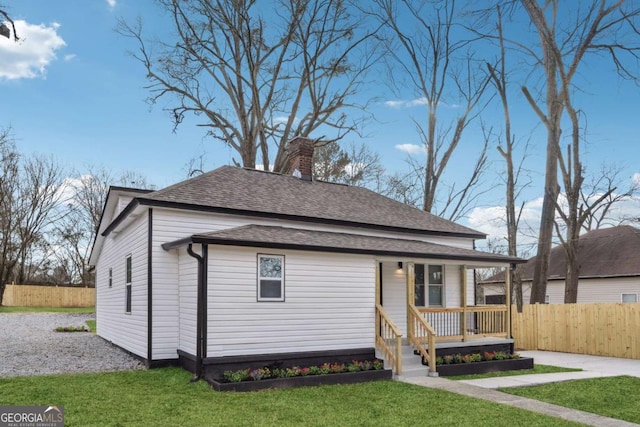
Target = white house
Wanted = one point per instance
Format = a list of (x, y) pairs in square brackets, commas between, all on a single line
[(609, 270), (239, 266)]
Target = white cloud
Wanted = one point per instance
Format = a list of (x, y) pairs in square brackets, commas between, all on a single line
[(69, 57), (29, 57), (411, 148), (111, 3), (418, 102)]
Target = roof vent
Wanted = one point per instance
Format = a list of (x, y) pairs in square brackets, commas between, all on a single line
[(296, 173)]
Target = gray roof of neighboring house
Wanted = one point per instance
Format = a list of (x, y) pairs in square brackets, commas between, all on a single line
[(323, 241), (251, 192), (606, 252)]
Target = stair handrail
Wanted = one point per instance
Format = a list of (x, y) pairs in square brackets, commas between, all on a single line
[(417, 337), (385, 325)]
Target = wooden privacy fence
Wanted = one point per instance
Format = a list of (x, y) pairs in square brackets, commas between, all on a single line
[(598, 329), (48, 296)]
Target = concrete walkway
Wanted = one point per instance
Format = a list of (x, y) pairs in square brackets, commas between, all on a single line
[(593, 367)]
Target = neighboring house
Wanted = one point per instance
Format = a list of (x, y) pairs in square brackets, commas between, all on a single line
[(238, 265), (609, 270)]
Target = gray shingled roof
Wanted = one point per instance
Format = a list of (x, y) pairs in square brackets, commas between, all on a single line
[(607, 252), (256, 192), (303, 239)]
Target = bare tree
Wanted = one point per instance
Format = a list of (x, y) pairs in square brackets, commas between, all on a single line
[(604, 214), (425, 56), (5, 31), (76, 230), (354, 165), (597, 26), (513, 186), (28, 199), (260, 77)]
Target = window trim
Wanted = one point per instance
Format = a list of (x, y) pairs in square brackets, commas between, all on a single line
[(128, 278), (427, 285), (622, 294), (259, 278), (440, 285)]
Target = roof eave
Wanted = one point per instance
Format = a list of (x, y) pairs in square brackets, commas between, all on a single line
[(200, 239), (231, 211)]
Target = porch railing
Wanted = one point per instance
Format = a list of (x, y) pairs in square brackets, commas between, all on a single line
[(462, 323), (389, 339), (422, 336)]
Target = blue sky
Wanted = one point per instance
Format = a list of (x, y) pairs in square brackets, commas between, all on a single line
[(71, 90)]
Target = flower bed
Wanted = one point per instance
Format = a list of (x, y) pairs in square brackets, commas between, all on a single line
[(476, 363), (262, 378)]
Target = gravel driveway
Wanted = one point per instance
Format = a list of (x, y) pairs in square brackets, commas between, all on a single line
[(30, 346)]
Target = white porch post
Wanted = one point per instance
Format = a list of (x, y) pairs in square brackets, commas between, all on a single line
[(507, 292), (463, 293), (410, 296)]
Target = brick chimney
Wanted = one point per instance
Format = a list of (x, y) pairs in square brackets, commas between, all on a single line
[(300, 157)]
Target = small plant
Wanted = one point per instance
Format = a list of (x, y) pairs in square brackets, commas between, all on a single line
[(477, 357), (236, 376), (451, 359), (467, 358), (296, 371), (72, 329), (260, 374), (457, 358), (447, 359), (489, 355)]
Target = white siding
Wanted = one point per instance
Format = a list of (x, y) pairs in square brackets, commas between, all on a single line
[(171, 224), (596, 290), (329, 303), (128, 331), (394, 294), (188, 291), (608, 290)]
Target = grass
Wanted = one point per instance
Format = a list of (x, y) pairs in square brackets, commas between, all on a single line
[(614, 397), (537, 369), (164, 397), (4, 309), (92, 325)]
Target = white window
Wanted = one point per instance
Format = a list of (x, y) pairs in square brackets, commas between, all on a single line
[(546, 299), (128, 273), (629, 297), (270, 277), (429, 285)]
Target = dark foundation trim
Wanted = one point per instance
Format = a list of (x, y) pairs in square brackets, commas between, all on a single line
[(215, 366)]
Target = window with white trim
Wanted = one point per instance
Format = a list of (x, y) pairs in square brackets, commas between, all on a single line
[(546, 299), (110, 277), (629, 297), (270, 277), (128, 274), (429, 285)]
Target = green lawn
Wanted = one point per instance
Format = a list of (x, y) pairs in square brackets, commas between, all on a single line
[(164, 397), (537, 369), (92, 325), (4, 309), (614, 397)]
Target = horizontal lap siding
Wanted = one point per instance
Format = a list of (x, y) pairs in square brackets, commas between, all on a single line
[(170, 225), (128, 331), (329, 303), (188, 293), (394, 294)]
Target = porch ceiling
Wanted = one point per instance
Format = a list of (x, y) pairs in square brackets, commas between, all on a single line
[(323, 241)]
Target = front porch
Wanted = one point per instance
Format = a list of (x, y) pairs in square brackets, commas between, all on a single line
[(459, 326)]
